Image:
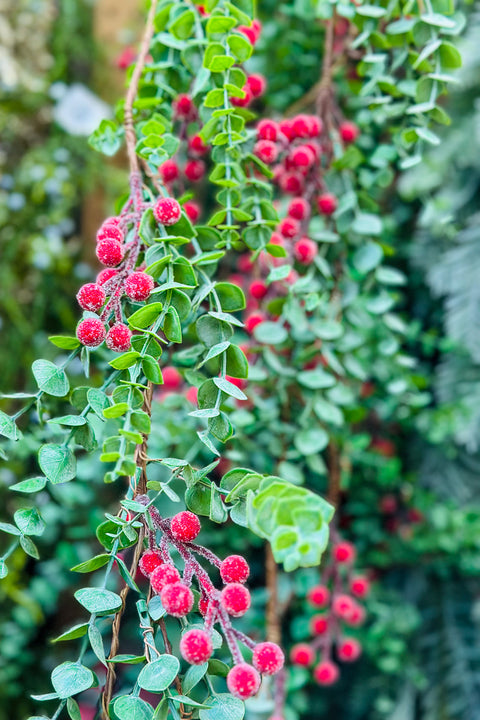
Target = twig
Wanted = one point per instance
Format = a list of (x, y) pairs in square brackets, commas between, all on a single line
[(273, 615)]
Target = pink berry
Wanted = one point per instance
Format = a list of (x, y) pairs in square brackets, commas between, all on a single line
[(267, 130), (196, 646), (268, 658), (91, 332), (292, 183), (192, 395), (185, 526), (91, 297), (177, 599), (184, 108), (236, 599), (257, 84), (195, 170), (289, 227), (254, 319), (343, 606), (360, 586), (349, 132), (249, 33), (356, 616), (243, 681), (162, 575), (266, 151), (109, 252), (109, 231), (299, 208), (349, 650), (257, 28), (172, 379), (105, 275), (167, 211), (302, 157), (319, 624), (326, 673), (344, 552), (258, 289), (149, 561), (286, 128), (196, 146), (302, 654), (245, 101), (245, 264), (315, 126), (301, 126), (118, 338), (327, 203), (305, 250), (192, 210), (169, 171), (319, 596), (234, 569), (139, 285)]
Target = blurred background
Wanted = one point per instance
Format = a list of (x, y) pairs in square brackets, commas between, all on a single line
[(415, 496)]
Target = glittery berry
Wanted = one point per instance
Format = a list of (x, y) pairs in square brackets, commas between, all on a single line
[(109, 252), (326, 673), (360, 586), (91, 297), (327, 203), (194, 170), (172, 379), (258, 289), (184, 108), (349, 650), (177, 599), (289, 227), (91, 332), (302, 654), (196, 146), (109, 231), (196, 647), (149, 561), (167, 211), (268, 658), (192, 210), (105, 275), (164, 574), (257, 84), (267, 130), (344, 552), (349, 132), (266, 151), (185, 526), (236, 599), (139, 285), (234, 569), (243, 681), (299, 208), (319, 624), (118, 338), (252, 320), (305, 250), (169, 171)]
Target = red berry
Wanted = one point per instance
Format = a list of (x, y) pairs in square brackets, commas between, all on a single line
[(349, 650), (196, 146), (244, 264), (327, 203), (177, 599), (184, 108), (257, 85), (109, 231), (268, 658), (139, 285), (167, 211), (315, 126), (356, 616), (289, 227), (258, 289), (257, 28), (349, 132), (234, 569), (91, 297), (326, 673), (360, 586), (254, 319), (243, 681), (305, 250), (149, 561), (344, 552), (267, 130), (118, 338), (109, 252), (169, 171), (194, 170), (243, 101), (203, 604), (319, 624), (91, 332), (299, 208), (292, 183), (236, 599), (105, 275), (196, 647), (266, 151), (172, 379), (249, 33), (343, 606), (185, 526), (302, 654), (286, 128), (192, 210), (164, 574), (192, 395), (302, 156)]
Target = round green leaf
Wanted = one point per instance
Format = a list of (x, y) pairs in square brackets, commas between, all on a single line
[(311, 441), (223, 707), (158, 675), (71, 678), (99, 601), (57, 462), (51, 379), (270, 333), (130, 707), (29, 521)]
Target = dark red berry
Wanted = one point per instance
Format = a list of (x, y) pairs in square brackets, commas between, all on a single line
[(167, 211), (164, 574), (185, 526), (139, 285)]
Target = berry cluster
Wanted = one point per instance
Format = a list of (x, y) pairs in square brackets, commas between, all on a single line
[(216, 606), (337, 597)]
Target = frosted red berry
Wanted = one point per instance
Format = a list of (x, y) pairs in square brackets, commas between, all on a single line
[(266, 151), (203, 604), (162, 575), (327, 203), (360, 586), (289, 227), (139, 285), (302, 156), (235, 599), (109, 252), (118, 338), (196, 646), (184, 107), (105, 275), (109, 231), (349, 132), (196, 146), (299, 208), (267, 130), (343, 606), (149, 561), (349, 650), (305, 250), (319, 624), (194, 170), (302, 654), (91, 297), (234, 569), (91, 332), (169, 171), (167, 211), (243, 681), (326, 673), (268, 658), (257, 84), (185, 526), (254, 319), (177, 599), (344, 552), (192, 210), (172, 379), (258, 289), (292, 183)]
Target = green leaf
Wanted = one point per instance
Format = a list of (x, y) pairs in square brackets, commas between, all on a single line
[(57, 462), (29, 547), (310, 441), (8, 428), (270, 333), (220, 24), (69, 420), (73, 633), (129, 707), (158, 675), (99, 601), (30, 486), (66, 342), (107, 138), (50, 379), (172, 326), (367, 224), (29, 521), (223, 707), (367, 257), (145, 316), (141, 421), (96, 642), (231, 297), (98, 401), (229, 388), (151, 370), (10, 529), (182, 26), (193, 676), (240, 47), (127, 659), (126, 360), (93, 564), (71, 678), (73, 709), (315, 379), (115, 411)]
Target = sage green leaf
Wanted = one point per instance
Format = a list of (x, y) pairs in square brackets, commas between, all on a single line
[(50, 378), (57, 462)]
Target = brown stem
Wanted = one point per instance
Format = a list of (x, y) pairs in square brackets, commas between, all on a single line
[(273, 614), (141, 453), (325, 100)]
